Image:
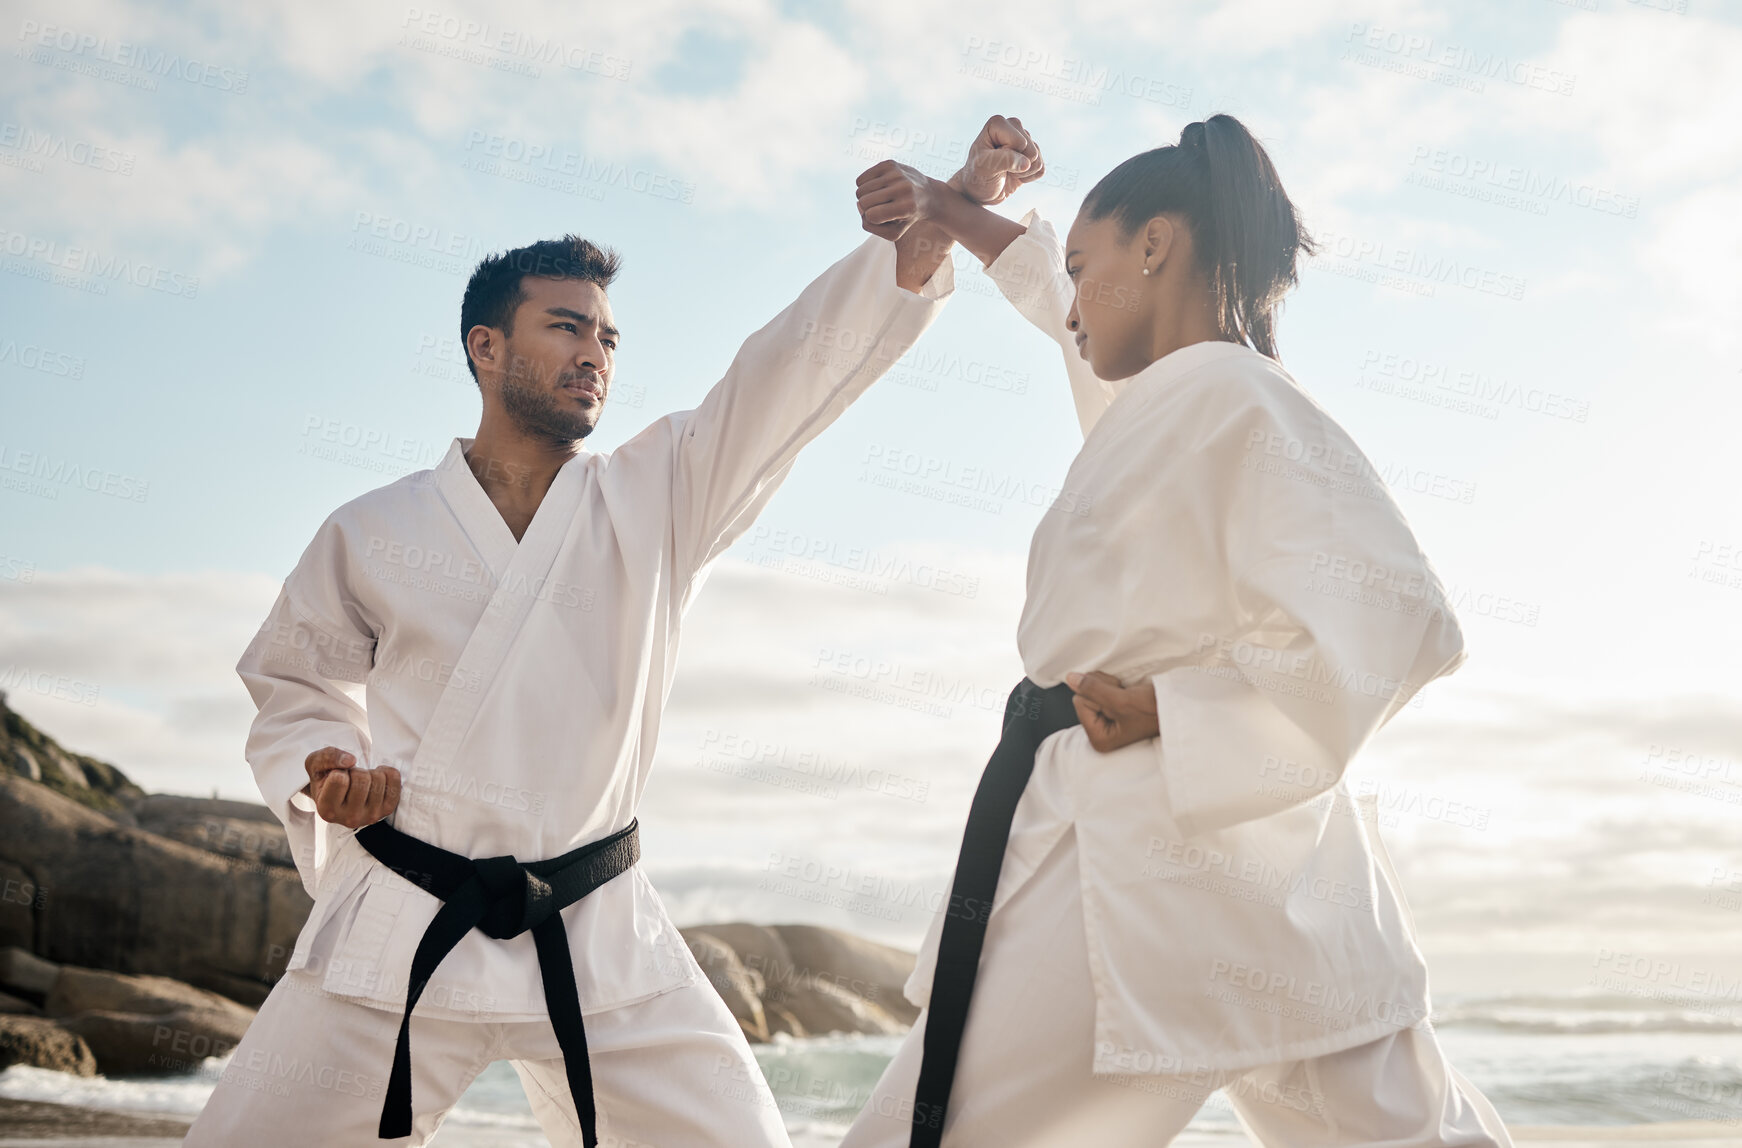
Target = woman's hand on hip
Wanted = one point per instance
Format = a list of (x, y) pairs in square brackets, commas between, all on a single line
[(1114, 716)]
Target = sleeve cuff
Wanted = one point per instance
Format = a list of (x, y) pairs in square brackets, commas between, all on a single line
[(941, 284), (284, 790), (1019, 250), (1027, 271), (1228, 755), (1169, 746)]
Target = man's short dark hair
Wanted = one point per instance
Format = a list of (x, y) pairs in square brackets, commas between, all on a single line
[(494, 291)]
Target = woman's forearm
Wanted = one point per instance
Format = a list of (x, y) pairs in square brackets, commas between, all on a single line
[(950, 218), (981, 231)]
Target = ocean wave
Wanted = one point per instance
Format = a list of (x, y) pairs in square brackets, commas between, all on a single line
[(167, 1095), (1551, 1060), (1591, 1014), (494, 1101)]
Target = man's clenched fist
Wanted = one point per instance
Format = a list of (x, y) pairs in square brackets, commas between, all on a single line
[(893, 197), (346, 795)]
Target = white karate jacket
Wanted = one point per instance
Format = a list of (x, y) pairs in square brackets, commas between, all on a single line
[(518, 686), (1221, 536)]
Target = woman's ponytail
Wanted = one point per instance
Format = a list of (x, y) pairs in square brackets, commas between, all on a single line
[(1256, 234), (1244, 228)]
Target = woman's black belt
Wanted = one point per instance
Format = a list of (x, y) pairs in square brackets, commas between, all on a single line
[(1032, 715), (502, 898)]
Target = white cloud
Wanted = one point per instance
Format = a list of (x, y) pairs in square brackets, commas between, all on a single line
[(1656, 96), (796, 90), (1691, 257), (138, 669), (1560, 822), (1250, 27)]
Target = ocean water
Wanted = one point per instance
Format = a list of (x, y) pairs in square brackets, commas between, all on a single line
[(1543, 1060)]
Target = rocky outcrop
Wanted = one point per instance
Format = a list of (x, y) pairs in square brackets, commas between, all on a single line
[(238, 829), (17, 1006), (133, 1043), (90, 1020), (145, 1024), (88, 891), (740, 988), (804, 980), (41, 1043), (96, 873), (28, 752), (26, 973)]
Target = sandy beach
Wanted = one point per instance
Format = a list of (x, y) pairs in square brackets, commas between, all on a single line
[(25, 1123), (69, 1126)]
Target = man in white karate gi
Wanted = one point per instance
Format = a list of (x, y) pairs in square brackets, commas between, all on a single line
[(479, 653)]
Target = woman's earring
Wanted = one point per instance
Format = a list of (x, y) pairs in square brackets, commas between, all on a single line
[(1146, 271)]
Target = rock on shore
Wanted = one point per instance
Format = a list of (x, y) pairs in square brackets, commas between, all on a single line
[(804, 980), (86, 1021), (78, 887)]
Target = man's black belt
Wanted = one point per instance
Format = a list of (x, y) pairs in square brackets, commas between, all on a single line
[(1030, 716), (502, 898)]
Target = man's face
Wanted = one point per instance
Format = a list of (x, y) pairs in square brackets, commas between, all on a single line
[(557, 364)]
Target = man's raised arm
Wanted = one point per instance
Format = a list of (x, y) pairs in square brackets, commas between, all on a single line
[(788, 382)]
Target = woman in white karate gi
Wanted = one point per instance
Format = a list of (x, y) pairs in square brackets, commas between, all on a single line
[(1190, 898)]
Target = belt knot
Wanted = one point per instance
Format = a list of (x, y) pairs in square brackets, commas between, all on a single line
[(517, 898)]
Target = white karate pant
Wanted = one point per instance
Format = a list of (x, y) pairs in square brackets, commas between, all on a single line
[(1023, 1077), (673, 1071)]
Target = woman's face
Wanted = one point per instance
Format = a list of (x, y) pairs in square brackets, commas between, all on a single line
[(1108, 303), (1116, 309)]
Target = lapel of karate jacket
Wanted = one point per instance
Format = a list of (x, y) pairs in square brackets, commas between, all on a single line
[(520, 571)]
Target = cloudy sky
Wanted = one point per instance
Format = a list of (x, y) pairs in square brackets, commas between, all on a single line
[(234, 239)]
